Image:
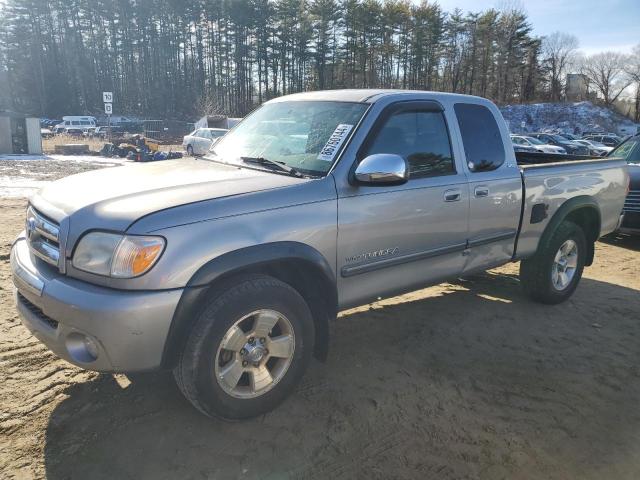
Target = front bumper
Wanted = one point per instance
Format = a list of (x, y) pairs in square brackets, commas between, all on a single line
[(630, 223), (93, 327)]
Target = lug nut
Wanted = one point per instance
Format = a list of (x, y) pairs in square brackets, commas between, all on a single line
[(252, 341), (245, 363), (243, 351), (262, 340)]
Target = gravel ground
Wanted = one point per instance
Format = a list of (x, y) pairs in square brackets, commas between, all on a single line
[(461, 380)]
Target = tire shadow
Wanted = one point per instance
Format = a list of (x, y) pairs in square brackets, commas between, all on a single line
[(471, 381)]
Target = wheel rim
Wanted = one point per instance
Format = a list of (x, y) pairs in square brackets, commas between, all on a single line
[(255, 354), (565, 265)]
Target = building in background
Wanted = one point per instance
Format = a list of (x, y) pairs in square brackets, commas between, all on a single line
[(577, 89), (19, 134)]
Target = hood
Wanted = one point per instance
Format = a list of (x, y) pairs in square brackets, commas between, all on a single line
[(113, 198)]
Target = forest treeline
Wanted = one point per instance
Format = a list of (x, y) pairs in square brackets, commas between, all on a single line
[(178, 59)]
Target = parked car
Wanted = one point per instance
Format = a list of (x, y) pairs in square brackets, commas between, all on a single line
[(608, 139), (559, 141), (101, 132), (523, 148), (46, 133), (629, 150), (595, 148), (570, 136), (72, 123), (228, 270), (199, 141), (537, 145)]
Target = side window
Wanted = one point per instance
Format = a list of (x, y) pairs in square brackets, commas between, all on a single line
[(481, 137), (421, 137)]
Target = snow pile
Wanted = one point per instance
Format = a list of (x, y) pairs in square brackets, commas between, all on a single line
[(575, 118), (23, 175)]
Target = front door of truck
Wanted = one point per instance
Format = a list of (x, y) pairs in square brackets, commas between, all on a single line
[(495, 187), (394, 238)]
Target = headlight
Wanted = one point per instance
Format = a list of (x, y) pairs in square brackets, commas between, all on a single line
[(114, 255)]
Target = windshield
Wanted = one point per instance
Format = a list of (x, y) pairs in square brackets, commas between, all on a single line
[(629, 150), (305, 135), (559, 138), (535, 141)]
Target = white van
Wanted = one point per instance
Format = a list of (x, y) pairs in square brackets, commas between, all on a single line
[(74, 123)]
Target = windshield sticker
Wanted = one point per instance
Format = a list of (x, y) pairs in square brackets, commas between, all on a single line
[(336, 139)]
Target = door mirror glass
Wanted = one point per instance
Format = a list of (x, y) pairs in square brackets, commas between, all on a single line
[(382, 169)]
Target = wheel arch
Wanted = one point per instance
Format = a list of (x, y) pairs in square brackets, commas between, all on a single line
[(299, 265), (584, 211)]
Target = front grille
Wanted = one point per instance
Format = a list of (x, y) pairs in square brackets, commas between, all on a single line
[(43, 236), (37, 311), (631, 220), (632, 202)]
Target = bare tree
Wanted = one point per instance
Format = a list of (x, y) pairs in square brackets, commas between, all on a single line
[(558, 53), (632, 69), (606, 71)]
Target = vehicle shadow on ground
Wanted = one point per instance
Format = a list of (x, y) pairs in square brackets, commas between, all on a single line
[(473, 381), (624, 240)]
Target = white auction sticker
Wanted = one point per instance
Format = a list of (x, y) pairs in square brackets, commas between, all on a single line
[(336, 139)]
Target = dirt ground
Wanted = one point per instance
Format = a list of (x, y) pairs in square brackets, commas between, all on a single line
[(463, 380)]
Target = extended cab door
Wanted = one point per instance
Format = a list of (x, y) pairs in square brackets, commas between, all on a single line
[(394, 238), (495, 185)]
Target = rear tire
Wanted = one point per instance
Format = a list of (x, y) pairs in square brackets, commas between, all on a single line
[(247, 350), (553, 273), (190, 150)]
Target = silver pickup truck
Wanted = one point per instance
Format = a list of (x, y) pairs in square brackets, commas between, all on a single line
[(227, 269)]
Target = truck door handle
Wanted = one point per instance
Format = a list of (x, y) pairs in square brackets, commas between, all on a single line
[(481, 192), (452, 195)]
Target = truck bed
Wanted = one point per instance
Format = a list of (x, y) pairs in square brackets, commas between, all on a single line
[(547, 186)]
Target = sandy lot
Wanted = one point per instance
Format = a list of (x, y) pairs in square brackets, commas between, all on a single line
[(462, 380)]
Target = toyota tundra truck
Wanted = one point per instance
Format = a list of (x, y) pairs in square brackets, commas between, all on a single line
[(227, 269)]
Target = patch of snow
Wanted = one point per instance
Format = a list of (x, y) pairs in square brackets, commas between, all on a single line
[(16, 187), (576, 118)]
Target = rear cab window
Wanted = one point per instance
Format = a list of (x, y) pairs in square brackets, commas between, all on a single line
[(481, 138)]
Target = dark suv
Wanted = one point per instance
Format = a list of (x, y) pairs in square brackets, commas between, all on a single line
[(572, 148), (630, 151)]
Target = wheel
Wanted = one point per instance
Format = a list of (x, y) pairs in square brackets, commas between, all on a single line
[(553, 273), (190, 150), (248, 349)]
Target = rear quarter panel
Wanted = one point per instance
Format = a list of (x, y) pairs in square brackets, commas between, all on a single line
[(605, 181)]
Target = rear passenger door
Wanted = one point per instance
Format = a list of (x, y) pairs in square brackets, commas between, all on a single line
[(395, 237), (495, 186)]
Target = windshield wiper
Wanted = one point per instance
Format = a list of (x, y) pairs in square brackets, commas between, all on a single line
[(279, 165)]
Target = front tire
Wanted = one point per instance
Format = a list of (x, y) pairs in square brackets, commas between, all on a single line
[(248, 349), (553, 273)]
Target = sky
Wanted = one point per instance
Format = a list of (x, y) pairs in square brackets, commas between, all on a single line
[(600, 25)]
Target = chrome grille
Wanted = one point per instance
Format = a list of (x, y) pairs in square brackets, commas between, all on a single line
[(632, 202), (43, 236)]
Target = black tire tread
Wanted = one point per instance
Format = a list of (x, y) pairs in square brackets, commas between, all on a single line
[(185, 371), (534, 276)]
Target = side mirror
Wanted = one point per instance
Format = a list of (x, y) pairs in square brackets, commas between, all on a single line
[(382, 169)]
